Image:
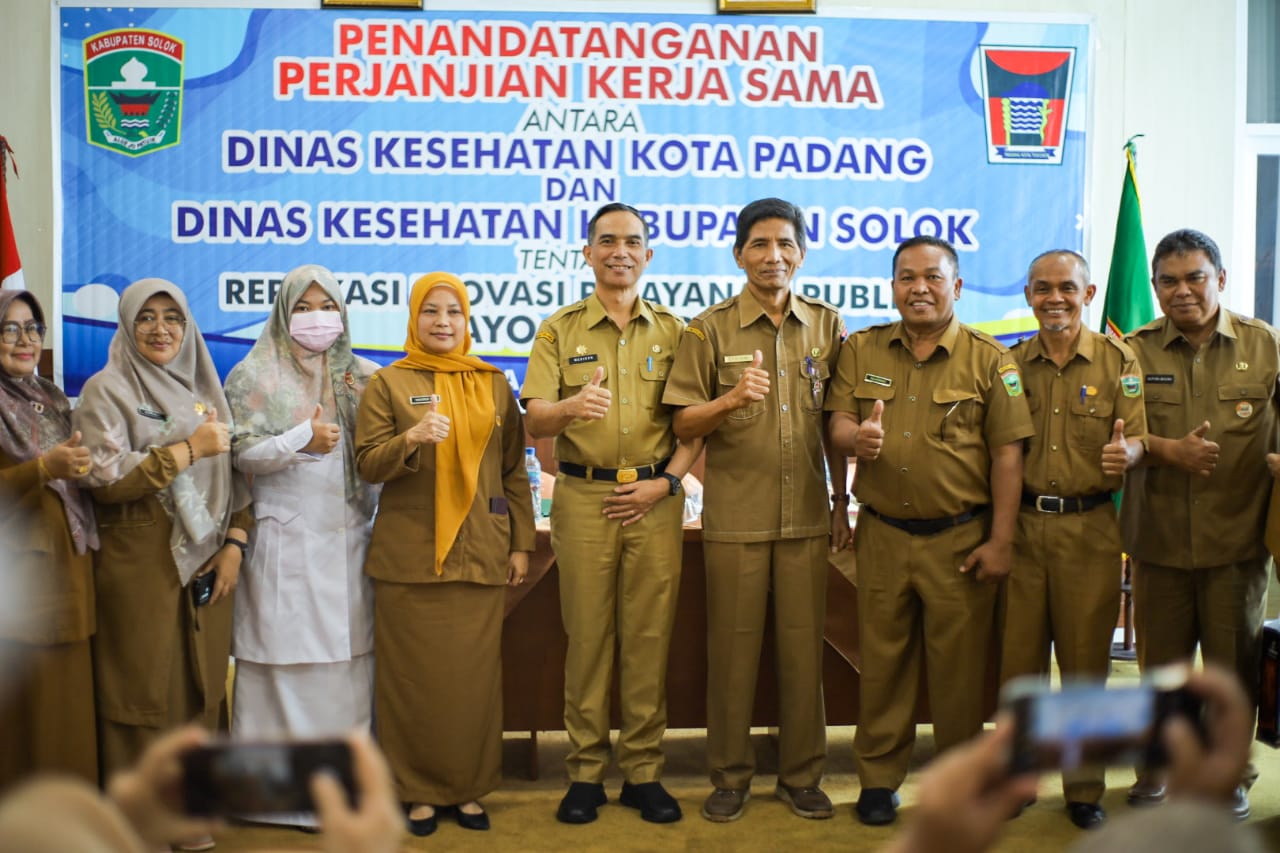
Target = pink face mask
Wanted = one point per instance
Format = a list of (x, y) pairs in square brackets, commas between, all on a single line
[(316, 330)]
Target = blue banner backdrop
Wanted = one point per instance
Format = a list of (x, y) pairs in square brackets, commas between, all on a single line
[(219, 148)]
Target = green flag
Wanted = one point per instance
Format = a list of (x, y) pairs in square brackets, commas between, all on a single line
[(1128, 303)]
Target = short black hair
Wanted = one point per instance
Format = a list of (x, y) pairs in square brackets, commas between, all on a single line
[(614, 207), (1088, 275), (768, 208), (925, 240), (1184, 241)]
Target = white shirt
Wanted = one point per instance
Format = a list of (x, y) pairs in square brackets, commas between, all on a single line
[(302, 596)]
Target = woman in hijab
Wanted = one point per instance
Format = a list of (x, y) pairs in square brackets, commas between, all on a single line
[(173, 518), (442, 431), (46, 688), (303, 634)]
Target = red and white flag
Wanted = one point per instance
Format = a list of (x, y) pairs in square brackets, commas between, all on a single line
[(10, 263)]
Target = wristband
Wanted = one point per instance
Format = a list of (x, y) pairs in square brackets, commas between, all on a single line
[(191, 453), (243, 546), (841, 498)]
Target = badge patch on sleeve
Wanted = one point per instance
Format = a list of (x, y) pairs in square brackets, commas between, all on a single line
[(696, 332), (1011, 379), (545, 336), (1131, 384)]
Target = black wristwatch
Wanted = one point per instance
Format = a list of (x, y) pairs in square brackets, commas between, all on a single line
[(674, 481)]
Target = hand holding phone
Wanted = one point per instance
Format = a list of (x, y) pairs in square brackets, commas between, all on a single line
[(224, 778), (1085, 723)]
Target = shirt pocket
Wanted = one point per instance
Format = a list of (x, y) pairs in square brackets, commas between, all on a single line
[(1091, 423), (956, 416), (865, 395), (727, 378), (814, 376), (575, 374), (1242, 405), (1164, 411), (653, 371)]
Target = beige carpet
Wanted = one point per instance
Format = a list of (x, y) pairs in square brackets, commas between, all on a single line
[(523, 810)]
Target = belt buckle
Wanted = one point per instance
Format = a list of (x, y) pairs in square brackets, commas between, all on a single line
[(628, 475), (1042, 507)]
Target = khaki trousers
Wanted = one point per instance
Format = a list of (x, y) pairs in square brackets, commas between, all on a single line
[(1064, 590), (1220, 608), (618, 590), (740, 576), (916, 608)]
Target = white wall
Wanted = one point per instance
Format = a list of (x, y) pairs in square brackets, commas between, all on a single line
[(1165, 68)]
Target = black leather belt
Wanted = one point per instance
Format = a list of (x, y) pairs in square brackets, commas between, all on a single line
[(1054, 504), (615, 475), (926, 526)]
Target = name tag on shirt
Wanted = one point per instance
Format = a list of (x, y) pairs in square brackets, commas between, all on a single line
[(739, 359), (423, 399), (1158, 378), (583, 359)]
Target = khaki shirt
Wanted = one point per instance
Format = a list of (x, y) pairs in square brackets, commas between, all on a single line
[(765, 469), (402, 546), (1177, 519), (941, 417), (1074, 409), (577, 339)]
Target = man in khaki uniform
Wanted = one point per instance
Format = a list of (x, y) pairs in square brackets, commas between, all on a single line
[(1194, 515), (595, 381), (751, 374), (936, 415), (1084, 390)]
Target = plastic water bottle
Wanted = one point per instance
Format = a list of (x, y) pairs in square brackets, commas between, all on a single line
[(534, 468)]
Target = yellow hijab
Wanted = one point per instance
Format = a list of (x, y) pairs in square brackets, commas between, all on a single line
[(466, 398)]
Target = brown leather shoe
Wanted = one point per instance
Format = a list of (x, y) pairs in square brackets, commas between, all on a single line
[(806, 802), (725, 804)]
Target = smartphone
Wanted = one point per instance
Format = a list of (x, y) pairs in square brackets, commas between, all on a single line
[(242, 779), (201, 587), (1089, 724)]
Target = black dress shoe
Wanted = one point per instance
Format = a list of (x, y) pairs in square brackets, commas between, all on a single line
[(478, 822), (653, 801), (1086, 815), (877, 806), (580, 802), (423, 826)]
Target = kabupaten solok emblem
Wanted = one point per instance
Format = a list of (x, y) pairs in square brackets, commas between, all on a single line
[(133, 90)]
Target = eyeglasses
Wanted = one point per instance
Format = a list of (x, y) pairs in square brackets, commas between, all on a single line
[(149, 322), (11, 333)]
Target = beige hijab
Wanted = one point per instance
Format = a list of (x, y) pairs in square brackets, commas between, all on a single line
[(279, 382), (132, 406)]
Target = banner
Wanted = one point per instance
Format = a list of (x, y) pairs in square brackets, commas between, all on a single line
[(220, 148)]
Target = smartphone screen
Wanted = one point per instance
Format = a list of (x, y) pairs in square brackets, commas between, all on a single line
[(261, 778), (1080, 725)]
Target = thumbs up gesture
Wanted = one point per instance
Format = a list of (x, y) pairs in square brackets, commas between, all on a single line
[(433, 428), (67, 461), (1196, 454), (211, 438), (324, 436), (753, 384), (870, 437), (1115, 453), (592, 402)]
